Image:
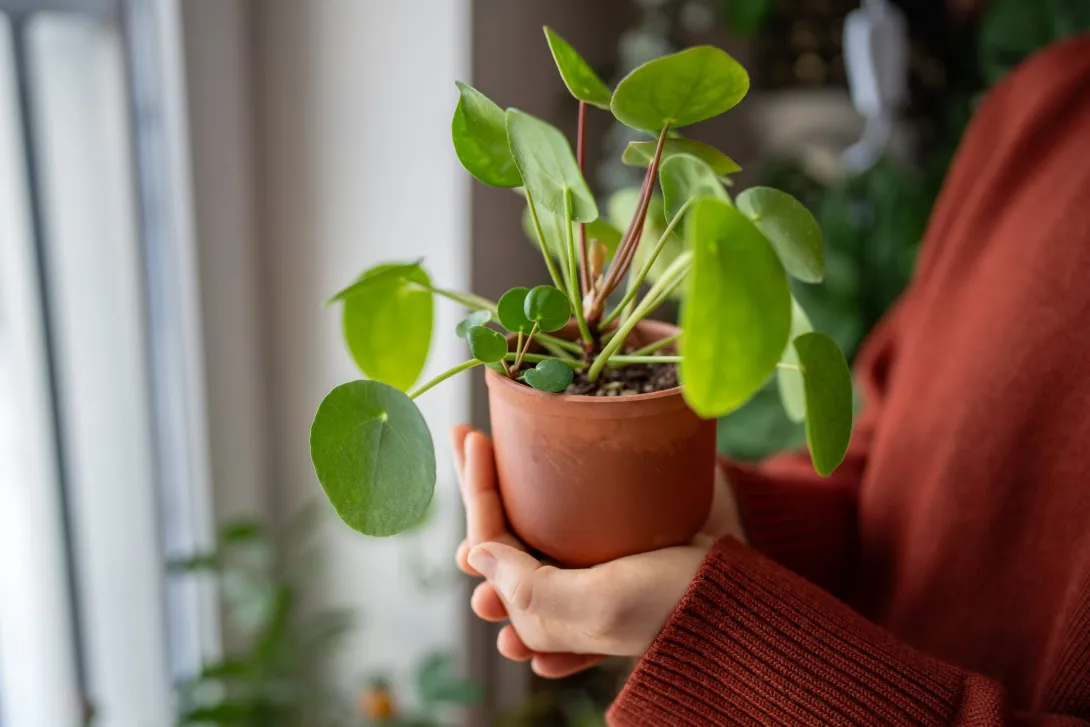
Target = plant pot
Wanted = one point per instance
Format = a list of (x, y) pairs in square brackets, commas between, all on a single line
[(586, 479)]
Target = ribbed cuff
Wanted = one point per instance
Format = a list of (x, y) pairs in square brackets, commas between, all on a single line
[(807, 526), (753, 644)]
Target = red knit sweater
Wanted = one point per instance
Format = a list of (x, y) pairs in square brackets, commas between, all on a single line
[(942, 575)]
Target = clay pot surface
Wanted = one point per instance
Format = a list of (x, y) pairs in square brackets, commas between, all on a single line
[(585, 479)]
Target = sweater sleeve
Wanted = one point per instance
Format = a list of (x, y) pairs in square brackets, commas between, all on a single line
[(802, 520), (754, 644)]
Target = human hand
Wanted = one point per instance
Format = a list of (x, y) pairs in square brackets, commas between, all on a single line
[(566, 620)]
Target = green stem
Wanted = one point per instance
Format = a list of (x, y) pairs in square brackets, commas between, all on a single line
[(633, 359), (546, 340), (656, 345), (469, 300), (573, 283), (522, 353), (542, 244), (635, 282), (670, 279), (465, 365), (789, 367), (537, 357)]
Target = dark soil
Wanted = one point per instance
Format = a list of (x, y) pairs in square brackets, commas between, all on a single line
[(626, 380)]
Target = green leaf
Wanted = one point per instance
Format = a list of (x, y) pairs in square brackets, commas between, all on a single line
[(548, 307), (551, 375), (684, 177), (828, 385), (476, 318), (578, 76), (792, 390), (485, 344), (387, 324), (640, 154), (789, 226), (680, 89), (373, 455), (556, 240), (378, 275), (438, 683), (747, 17), (738, 313), (548, 166), (511, 310), (479, 130)]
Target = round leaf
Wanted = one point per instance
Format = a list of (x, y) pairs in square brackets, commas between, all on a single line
[(738, 312), (578, 76), (548, 307), (789, 226), (476, 318), (512, 312), (684, 177), (548, 167), (828, 384), (479, 130), (373, 455), (792, 391), (485, 344), (552, 375), (387, 324), (640, 154), (680, 89)]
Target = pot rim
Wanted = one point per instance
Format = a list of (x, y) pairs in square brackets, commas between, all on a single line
[(600, 407)]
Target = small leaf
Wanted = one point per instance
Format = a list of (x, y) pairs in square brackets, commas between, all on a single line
[(373, 455), (789, 226), (680, 89), (551, 375), (511, 311), (828, 385), (578, 76), (738, 313), (792, 390), (548, 166), (476, 318), (548, 307), (640, 154), (485, 344), (479, 130), (387, 324), (684, 177)]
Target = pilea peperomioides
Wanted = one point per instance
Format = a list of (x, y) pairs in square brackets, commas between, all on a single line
[(680, 234)]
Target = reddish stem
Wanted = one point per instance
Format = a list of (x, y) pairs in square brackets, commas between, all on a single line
[(584, 276), (630, 243)]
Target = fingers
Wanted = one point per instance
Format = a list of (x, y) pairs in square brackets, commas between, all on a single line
[(484, 509), (510, 645), (723, 519), (458, 434), (527, 585), (558, 666), (486, 603)]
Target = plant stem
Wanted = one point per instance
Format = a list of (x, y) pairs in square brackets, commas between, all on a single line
[(469, 300), (444, 376), (544, 245), (633, 359), (656, 345), (670, 279), (522, 353), (576, 302), (580, 154), (537, 357), (546, 340), (789, 367), (635, 283)]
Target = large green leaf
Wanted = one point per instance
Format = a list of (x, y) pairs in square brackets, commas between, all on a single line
[(548, 167), (791, 229), (384, 273), (828, 385), (387, 324), (680, 89), (373, 455), (578, 76), (789, 375), (684, 177), (640, 154), (479, 130), (738, 313)]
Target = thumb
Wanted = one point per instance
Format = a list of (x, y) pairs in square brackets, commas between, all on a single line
[(523, 582)]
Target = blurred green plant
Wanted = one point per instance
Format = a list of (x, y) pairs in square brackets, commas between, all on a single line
[(438, 689)]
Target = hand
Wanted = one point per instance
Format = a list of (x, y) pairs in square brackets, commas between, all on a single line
[(566, 620)]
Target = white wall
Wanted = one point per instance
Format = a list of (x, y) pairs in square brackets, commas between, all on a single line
[(355, 165)]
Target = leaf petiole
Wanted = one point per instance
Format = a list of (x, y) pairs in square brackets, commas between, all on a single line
[(464, 366), (553, 273)]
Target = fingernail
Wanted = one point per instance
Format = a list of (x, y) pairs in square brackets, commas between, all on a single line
[(483, 562)]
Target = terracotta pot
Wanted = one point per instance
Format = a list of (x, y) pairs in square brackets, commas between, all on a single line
[(587, 479)]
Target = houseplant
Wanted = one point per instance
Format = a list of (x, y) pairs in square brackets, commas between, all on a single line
[(599, 452)]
